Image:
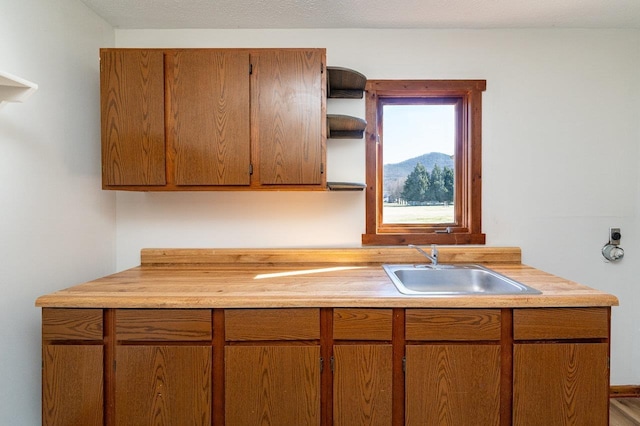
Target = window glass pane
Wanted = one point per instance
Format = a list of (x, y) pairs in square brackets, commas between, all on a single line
[(418, 145)]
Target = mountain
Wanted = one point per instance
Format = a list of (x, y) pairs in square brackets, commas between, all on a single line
[(396, 171)]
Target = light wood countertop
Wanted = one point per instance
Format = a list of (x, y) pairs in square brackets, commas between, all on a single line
[(260, 278)]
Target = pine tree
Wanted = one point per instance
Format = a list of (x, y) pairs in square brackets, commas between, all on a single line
[(437, 189), (448, 183), (417, 184)]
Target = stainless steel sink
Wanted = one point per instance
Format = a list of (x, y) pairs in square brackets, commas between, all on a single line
[(445, 280)]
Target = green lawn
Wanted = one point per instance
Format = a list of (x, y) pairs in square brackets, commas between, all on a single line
[(394, 213)]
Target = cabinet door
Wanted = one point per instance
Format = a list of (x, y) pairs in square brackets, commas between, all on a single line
[(288, 116), (362, 385), (452, 385), (132, 115), (163, 385), (274, 385), (72, 385), (560, 383), (208, 122)]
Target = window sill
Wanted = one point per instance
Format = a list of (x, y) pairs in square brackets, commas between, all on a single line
[(423, 239)]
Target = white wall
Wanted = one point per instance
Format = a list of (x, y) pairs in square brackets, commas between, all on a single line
[(560, 154), (57, 228)]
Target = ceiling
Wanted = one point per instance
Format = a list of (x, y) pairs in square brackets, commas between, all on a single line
[(233, 14)]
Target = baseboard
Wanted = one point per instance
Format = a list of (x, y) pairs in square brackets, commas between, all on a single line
[(624, 391)]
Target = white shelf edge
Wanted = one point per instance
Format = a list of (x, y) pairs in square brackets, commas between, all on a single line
[(15, 89)]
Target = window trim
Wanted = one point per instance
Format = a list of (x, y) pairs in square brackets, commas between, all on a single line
[(468, 157)]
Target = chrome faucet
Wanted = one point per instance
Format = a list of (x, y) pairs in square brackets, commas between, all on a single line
[(434, 253)]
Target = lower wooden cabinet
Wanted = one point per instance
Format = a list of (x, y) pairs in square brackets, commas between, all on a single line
[(272, 385), (453, 384), (362, 385), (561, 366), (453, 366), (163, 385), (325, 366), (72, 385), (561, 383)]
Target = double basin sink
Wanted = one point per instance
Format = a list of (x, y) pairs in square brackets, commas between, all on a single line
[(446, 280)]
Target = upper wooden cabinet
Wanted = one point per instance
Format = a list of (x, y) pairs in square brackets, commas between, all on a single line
[(287, 116), (132, 113), (208, 116), (234, 119)]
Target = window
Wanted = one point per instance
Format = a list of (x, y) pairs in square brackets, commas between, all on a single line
[(423, 160)]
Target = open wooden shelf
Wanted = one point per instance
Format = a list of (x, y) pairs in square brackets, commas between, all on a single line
[(345, 83), (345, 127), (15, 89)]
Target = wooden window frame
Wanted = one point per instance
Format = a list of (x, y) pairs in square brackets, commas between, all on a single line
[(467, 228)]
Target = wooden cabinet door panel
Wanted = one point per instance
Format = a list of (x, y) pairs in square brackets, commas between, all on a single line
[(72, 382), (561, 323), (163, 385), (452, 385), (168, 325), (560, 384), (362, 324), (272, 385), (208, 122), (362, 385), (287, 116), (72, 324), (272, 324), (132, 116), (453, 324)]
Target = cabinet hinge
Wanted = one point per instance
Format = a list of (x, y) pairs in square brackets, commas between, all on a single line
[(250, 69), (250, 169), (333, 364), (321, 168), (404, 364), (321, 68), (321, 364)]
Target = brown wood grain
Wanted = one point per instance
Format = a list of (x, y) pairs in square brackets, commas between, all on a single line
[(187, 325), (272, 385), (208, 119), (272, 324), (72, 385), (72, 324), (362, 324), (163, 385), (132, 117), (560, 384), (453, 324), (288, 116), (559, 323), (362, 386), (453, 385), (319, 256)]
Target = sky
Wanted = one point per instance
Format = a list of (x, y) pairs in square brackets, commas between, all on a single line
[(413, 130)]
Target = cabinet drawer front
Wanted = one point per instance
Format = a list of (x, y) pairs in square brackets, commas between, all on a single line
[(271, 324), (560, 323), (362, 324), (161, 325), (71, 324), (452, 324)]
